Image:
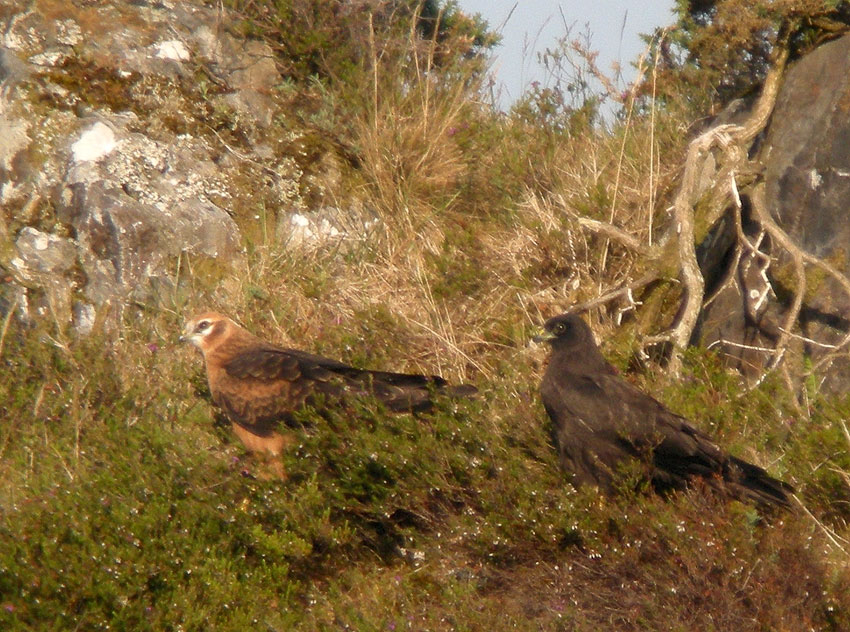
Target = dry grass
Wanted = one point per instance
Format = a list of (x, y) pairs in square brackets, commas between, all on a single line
[(407, 137)]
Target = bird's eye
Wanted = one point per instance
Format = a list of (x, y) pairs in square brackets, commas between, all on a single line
[(202, 325), (560, 328)]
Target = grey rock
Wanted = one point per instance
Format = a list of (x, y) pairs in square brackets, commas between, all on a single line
[(116, 166), (126, 242), (806, 156), (84, 315), (14, 139), (807, 151), (43, 263), (249, 70), (12, 69), (40, 253)]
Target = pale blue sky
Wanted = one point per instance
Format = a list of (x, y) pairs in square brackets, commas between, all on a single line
[(534, 25)]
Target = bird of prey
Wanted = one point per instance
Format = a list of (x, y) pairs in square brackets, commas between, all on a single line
[(259, 385), (601, 423)]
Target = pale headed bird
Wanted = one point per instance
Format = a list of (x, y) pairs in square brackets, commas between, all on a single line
[(259, 385)]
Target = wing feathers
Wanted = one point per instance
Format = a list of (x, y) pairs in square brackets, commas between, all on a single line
[(268, 383), (272, 363), (264, 364)]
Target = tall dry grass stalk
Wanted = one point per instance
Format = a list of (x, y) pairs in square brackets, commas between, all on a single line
[(409, 154)]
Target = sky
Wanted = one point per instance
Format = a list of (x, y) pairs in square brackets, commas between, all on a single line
[(530, 26)]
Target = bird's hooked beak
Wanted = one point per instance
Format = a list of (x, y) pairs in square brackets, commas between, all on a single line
[(542, 335), (185, 336)]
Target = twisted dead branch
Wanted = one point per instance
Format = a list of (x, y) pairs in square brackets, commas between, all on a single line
[(722, 190), (799, 257), (716, 175)]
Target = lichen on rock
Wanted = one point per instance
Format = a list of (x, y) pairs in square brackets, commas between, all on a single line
[(133, 134)]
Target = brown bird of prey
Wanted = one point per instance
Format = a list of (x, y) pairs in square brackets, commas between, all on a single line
[(258, 385), (602, 422)]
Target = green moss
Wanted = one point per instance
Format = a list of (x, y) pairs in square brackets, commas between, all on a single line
[(785, 277), (93, 85)]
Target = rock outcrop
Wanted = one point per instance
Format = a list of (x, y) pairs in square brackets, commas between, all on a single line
[(133, 135), (805, 154)]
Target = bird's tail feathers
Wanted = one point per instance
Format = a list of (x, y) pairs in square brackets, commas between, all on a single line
[(413, 393), (461, 390), (415, 381), (754, 483), (408, 380)]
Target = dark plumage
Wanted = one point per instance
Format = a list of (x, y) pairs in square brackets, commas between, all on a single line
[(601, 421), (258, 385)]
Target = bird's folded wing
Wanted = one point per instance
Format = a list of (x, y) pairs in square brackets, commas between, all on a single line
[(367, 375), (261, 415), (279, 377), (646, 423), (271, 363)]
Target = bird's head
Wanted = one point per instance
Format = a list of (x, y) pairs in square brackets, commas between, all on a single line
[(205, 329), (566, 330)]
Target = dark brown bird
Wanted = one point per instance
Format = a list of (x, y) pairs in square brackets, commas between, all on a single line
[(258, 385), (601, 422)]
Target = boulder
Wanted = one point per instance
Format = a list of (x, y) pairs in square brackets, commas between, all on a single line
[(131, 137), (135, 204), (805, 153), (45, 261)]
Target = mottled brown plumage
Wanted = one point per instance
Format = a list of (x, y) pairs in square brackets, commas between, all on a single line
[(258, 385), (601, 422)]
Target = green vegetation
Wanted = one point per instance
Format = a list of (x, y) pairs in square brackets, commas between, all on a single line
[(125, 505), (720, 50)]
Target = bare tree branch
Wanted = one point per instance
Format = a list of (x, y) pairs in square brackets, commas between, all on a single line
[(800, 256), (716, 160), (615, 294), (615, 233)]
